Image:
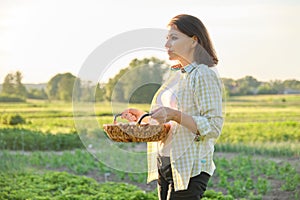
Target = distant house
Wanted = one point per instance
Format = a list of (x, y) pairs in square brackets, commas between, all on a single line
[(291, 91)]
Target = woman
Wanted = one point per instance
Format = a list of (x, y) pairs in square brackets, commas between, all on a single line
[(190, 102)]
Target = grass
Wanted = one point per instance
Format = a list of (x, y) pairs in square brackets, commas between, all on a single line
[(254, 125), (250, 121)]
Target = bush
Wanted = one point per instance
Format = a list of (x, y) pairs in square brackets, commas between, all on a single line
[(8, 98), (22, 139), (12, 119)]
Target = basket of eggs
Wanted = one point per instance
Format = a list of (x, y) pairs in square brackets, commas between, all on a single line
[(136, 132)]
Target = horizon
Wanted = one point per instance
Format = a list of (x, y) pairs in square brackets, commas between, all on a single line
[(259, 80), (252, 38)]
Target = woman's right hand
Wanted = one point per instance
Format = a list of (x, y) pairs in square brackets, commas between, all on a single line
[(132, 114)]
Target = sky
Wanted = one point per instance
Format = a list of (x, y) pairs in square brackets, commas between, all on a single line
[(41, 38)]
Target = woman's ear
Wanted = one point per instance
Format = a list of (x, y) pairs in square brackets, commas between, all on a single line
[(195, 41)]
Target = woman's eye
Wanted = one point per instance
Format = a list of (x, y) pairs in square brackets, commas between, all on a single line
[(174, 38)]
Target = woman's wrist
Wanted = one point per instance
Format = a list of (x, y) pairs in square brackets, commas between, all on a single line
[(176, 116)]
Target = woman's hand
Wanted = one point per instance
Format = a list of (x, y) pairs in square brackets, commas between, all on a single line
[(164, 114), (132, 114)]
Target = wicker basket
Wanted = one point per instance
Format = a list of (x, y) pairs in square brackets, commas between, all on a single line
[(135, 132)]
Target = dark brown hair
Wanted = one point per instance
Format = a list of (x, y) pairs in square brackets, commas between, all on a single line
[(193, 27)]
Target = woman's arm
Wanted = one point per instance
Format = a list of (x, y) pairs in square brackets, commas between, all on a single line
[(166, 114), (208, 101)]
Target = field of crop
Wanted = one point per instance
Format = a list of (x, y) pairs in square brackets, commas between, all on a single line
[(257, 155)]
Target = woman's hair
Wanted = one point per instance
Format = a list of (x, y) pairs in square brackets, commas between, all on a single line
[(193, 27)]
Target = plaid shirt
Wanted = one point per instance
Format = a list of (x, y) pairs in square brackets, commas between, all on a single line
[(199, 94)]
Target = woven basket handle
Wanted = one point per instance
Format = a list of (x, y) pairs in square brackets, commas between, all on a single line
[(115, 117), (139, 120), (142, 117)]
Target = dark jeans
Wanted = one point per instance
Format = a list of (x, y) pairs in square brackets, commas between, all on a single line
[(195, 190)]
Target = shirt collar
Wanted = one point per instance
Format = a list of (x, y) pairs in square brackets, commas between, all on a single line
[(188, 68)]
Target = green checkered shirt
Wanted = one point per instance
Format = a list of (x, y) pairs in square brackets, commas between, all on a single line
[(198, 94)]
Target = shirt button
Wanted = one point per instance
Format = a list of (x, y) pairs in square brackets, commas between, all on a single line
[(197, 138)]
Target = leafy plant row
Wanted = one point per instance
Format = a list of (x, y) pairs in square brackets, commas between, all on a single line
[(27, 140), (64, 186), (286, 131), (241, 176), (267, 149), (22, 139)]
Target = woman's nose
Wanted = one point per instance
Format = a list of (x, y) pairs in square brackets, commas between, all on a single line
[(167, 45)]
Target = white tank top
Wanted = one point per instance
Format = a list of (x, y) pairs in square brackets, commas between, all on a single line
[(166, 96)]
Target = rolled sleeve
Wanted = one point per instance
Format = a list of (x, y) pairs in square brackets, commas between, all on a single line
[(208, 100), (203, 125)]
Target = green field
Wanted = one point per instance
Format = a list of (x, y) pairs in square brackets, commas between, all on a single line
[(257, 155)]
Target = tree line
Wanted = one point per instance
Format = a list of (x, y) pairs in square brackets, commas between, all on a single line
[(251, 86), (137, 83)]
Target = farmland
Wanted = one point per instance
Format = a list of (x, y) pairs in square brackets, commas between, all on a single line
[(257, 155)]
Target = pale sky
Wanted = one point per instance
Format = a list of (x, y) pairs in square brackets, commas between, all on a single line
[(41, 38)]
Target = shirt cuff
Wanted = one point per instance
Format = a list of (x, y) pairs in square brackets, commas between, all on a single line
[(203, 125)]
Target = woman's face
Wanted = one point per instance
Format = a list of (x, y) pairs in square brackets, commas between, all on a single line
[(180, 46)]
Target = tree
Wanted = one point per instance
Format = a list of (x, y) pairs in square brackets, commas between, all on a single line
[(292, 84), (87, 91), (8, 84), (12, 85), (77, 90), (100, 92), (230, 86), (65, 87), (278, 86), (60, 87), (114, 87), (36, 94), (52, 87), (247, 85), (138, 82), (20, 88), (266, 88)]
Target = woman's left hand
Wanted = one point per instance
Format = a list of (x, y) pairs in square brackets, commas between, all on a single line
[(163, 114)]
